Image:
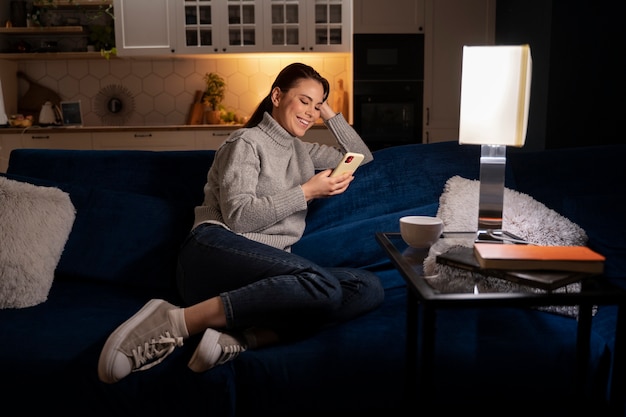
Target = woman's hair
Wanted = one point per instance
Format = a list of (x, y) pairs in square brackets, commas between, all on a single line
[(287, 79)]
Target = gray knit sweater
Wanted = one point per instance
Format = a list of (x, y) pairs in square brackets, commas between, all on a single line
[(253, 186)]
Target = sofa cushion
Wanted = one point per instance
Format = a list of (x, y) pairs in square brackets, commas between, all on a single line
[(35, 224)]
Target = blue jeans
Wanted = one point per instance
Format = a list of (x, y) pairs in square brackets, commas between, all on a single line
[(262, 286)]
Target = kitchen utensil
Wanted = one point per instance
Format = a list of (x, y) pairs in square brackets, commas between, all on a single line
[(50, 114), (196, 112)]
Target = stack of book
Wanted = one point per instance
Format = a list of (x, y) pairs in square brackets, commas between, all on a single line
[(545, 267)]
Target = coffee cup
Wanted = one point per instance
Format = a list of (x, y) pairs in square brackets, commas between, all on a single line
[(420, 231)]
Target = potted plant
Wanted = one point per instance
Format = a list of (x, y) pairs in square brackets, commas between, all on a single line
[(213, 96)]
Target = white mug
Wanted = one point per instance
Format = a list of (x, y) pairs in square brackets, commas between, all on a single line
[(420, 231)]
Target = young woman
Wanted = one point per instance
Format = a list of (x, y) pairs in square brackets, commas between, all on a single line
[(242, 285)]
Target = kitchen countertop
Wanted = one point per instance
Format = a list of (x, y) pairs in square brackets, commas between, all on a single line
[(112, 129)]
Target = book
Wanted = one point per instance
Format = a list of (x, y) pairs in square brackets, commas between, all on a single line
[(533, 257), (463, 258), (495, 94)]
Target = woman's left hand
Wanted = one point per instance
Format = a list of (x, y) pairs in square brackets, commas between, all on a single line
[(326, 112)]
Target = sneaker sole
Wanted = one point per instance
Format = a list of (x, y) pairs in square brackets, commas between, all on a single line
[(209, 345), (111, 346)]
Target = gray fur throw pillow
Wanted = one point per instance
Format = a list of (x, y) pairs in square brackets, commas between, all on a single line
[(521, 215), (35, 223)]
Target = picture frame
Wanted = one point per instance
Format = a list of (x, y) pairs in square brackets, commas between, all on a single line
[(71, 113)]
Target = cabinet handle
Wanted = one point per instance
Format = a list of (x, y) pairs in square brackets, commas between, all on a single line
[(220, 134), (427, 116), (143, 135), (40, 137)]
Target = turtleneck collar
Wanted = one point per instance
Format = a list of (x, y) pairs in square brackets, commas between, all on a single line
[(275, 131)]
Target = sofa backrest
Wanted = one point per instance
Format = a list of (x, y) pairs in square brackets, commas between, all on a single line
[(133, 209)]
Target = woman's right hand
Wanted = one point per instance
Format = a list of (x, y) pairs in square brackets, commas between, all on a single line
[(321, 185)]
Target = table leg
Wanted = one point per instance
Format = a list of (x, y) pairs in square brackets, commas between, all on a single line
[(583, 336), (411, 346), (427, 368), (617, 400)]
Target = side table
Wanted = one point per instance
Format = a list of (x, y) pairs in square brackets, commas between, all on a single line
[(594, 291)]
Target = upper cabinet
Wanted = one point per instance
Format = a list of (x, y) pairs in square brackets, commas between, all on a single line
[(218, 26), (145, 27), (315, 26), (390, 16), (155, 27)]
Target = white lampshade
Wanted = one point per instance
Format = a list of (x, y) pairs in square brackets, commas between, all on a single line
[(495, 95)]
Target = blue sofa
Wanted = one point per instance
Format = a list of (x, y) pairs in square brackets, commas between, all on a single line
[(135, 207)]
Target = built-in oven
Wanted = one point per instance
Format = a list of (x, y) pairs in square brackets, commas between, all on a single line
[(388, 88), (388, 113)]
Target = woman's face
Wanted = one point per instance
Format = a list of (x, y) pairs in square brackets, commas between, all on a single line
[(298, 108)]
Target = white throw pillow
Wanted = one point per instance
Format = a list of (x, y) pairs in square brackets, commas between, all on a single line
[(35, 223)]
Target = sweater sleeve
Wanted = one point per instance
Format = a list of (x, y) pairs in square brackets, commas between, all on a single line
[(347, 137)]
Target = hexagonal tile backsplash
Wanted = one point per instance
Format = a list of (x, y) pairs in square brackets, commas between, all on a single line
[(163, 89)]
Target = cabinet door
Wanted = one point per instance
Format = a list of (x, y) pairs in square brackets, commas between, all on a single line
[(329, 25), (197, 27), (7, 144), (284, 23), (144, 140), (75, 140), (212, 26), (315, 26), (390, 16), (144, 27), (449, 25)]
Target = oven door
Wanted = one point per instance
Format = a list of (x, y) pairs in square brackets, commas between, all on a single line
[(388, 113)]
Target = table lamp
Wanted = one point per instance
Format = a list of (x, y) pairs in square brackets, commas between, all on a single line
[(495, 96)]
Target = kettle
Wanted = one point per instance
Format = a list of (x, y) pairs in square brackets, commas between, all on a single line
[(49, 115)]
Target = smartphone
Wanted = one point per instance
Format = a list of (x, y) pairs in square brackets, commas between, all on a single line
[(349, 163)]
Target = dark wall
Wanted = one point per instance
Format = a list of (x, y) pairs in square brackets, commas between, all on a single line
[(578, 93)]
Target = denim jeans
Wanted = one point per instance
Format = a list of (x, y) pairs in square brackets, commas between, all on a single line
[(262, 286)]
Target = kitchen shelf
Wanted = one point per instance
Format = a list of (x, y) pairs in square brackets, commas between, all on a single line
[(73, 3), (52, 30), (33, 56)]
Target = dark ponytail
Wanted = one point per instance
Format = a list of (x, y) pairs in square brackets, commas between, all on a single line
[(287, 79)]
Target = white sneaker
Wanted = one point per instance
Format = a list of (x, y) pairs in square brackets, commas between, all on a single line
[(142, 341), (214, 349)]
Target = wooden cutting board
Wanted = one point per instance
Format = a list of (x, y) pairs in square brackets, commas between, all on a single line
[(196, 111), (36, 95)]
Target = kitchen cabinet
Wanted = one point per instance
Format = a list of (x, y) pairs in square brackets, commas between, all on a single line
[(314, 26), (449, 25), (390, 16), (320, 135), (232, 26), (212, 138), (41, 140), (147, 140), (212, 26), (145, 27)]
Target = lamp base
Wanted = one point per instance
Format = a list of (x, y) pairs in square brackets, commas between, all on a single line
[(498, 236)]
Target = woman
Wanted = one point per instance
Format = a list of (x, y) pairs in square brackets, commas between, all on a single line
[(243, 286)]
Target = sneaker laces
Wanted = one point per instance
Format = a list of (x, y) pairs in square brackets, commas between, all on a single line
[(230, 352), (153, 352)]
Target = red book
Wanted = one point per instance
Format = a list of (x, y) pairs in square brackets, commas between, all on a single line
[(532, 257)]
